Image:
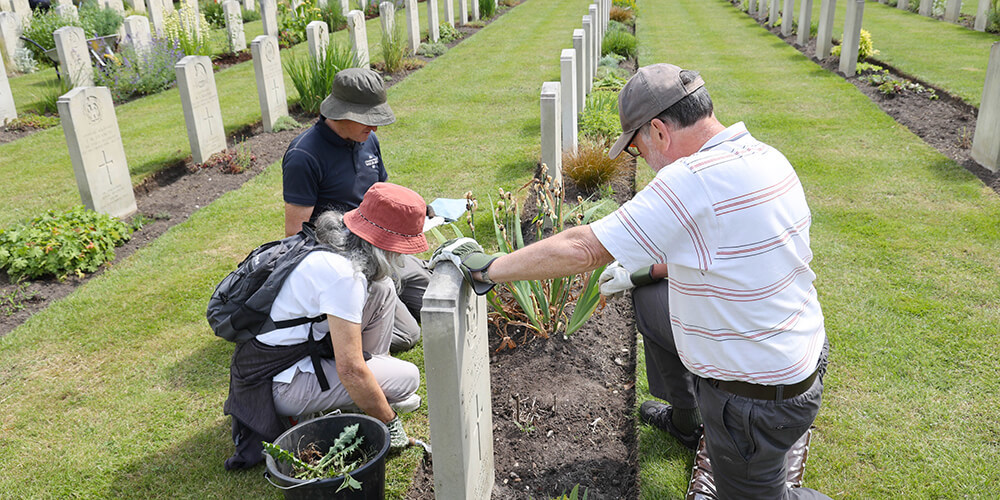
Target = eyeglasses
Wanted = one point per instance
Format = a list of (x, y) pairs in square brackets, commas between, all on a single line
[(633, 150)]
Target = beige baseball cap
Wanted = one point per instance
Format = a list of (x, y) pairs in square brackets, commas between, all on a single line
[(648, 93)]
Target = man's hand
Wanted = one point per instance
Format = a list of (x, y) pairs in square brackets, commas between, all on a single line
[(615, 280), (397, 435), (469, 257)]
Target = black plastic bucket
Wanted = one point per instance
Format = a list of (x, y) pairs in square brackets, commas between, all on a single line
[(322, 432)]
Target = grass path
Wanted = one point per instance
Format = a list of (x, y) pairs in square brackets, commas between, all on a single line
[(117, 390), (905, 245)]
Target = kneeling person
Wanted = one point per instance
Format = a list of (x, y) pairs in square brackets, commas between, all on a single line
[(274, 375)]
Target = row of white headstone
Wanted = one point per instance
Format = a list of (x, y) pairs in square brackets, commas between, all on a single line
[(563, 101), (89, 123)]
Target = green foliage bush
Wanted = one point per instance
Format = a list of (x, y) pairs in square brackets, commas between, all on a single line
[(619, 42), (212, 11), (250, 16), (32, 121), (292, 22), (599, 120), (487, 9), (866, 48), (617, 26), (94, 20), (75, 241), (333, 16), (98, 21), (590, 168), (432, 49), (129, 74), (448, 33), (393, 48), (314, 79)]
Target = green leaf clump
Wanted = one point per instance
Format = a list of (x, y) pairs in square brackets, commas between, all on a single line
[(599, 120), (75, 241), (619, 42), (341, 459)]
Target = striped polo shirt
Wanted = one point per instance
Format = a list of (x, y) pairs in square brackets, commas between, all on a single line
[(732, 224)]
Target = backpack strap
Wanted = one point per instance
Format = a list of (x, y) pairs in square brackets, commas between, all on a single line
[(314, 354), (288, 323)]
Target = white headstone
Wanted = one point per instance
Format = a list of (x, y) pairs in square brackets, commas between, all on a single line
[(457, 370), (200, 100), (762, 9), (772, 14), (10, 30), (986, 141), (595, 26), (115, 5), (903, 5), (926, 8), (156, 14), (234, 26), (982, 15), (852, 37), (137, 33), (433, 24), (358, 35), (60, 3), (824, 33), (270, 80), (269, 17), (568, 87), (581, 69), (138, 6), (95, 149), (318, 39), (552, 130), (412, 25), (68, 11), (23, 10), (952, 9), (589, 69), (463, 12), (8, 111), (252, 5), (387, 17), (805, 20), (753, 8), (787, 17), (74, 60), (345, 7), (449, 12), (474, 9)]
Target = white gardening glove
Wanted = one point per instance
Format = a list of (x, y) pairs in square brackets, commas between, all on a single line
[(468, 256), (397, 435), (615, 280)]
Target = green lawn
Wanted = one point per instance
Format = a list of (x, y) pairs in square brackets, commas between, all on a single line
[(117, 390), (905, 244)]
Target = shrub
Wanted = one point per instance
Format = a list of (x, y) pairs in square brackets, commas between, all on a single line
[(75, 241), (284, 123), (487, 8), (250, 16), (610, 60), (24, 61), (98, 21), (611, 81), (393, 49), (619, 42), (130, 74), (624, 16), (866, 48), (432, 49), (314, 79), (448, 33), (43, 23), (333, 16), (188, 30), (626, 4), (590, 168), (617, 26), (212, 11), (31, 121), (599, 120)]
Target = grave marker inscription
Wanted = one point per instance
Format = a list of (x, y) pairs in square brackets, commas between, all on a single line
[(234, 26), (200, 100), (270, 80), (358, 35), (74, 60), (318, 38)]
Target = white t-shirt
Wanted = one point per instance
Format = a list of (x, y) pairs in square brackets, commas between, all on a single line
[(732, 225), (323, 283)]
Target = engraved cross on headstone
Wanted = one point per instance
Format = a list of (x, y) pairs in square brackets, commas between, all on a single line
[(208, 118), (277, 90), (106, 165)]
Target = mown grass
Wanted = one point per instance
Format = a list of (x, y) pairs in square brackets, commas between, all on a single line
[(905, 243), (117, 390), (944, 54)]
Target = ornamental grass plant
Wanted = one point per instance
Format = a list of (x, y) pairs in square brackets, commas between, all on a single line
[(313, 79), (589, 166)]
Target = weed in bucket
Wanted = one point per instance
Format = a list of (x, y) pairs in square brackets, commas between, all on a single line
[(340, 460)]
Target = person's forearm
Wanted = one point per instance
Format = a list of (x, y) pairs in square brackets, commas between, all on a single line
[(366, 393), (570, 252)]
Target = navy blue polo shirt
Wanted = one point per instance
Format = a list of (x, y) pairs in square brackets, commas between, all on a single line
[(322, 170)]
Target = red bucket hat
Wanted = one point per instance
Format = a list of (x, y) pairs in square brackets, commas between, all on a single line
[(391, 217)]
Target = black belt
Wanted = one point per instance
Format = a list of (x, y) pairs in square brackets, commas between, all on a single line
[(766, 392)]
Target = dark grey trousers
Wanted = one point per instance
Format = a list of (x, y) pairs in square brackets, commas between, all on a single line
[(747, 439)]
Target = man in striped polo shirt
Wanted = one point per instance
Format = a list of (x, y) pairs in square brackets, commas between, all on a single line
[(734, 336)]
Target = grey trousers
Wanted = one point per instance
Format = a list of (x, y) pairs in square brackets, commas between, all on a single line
[(397, 378), (413, 278), (747, 439)]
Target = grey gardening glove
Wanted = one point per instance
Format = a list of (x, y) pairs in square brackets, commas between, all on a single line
[(615, 279), (397, 435), (468, 256)]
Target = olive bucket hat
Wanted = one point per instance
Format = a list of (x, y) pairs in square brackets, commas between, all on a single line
[(358, 95)]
